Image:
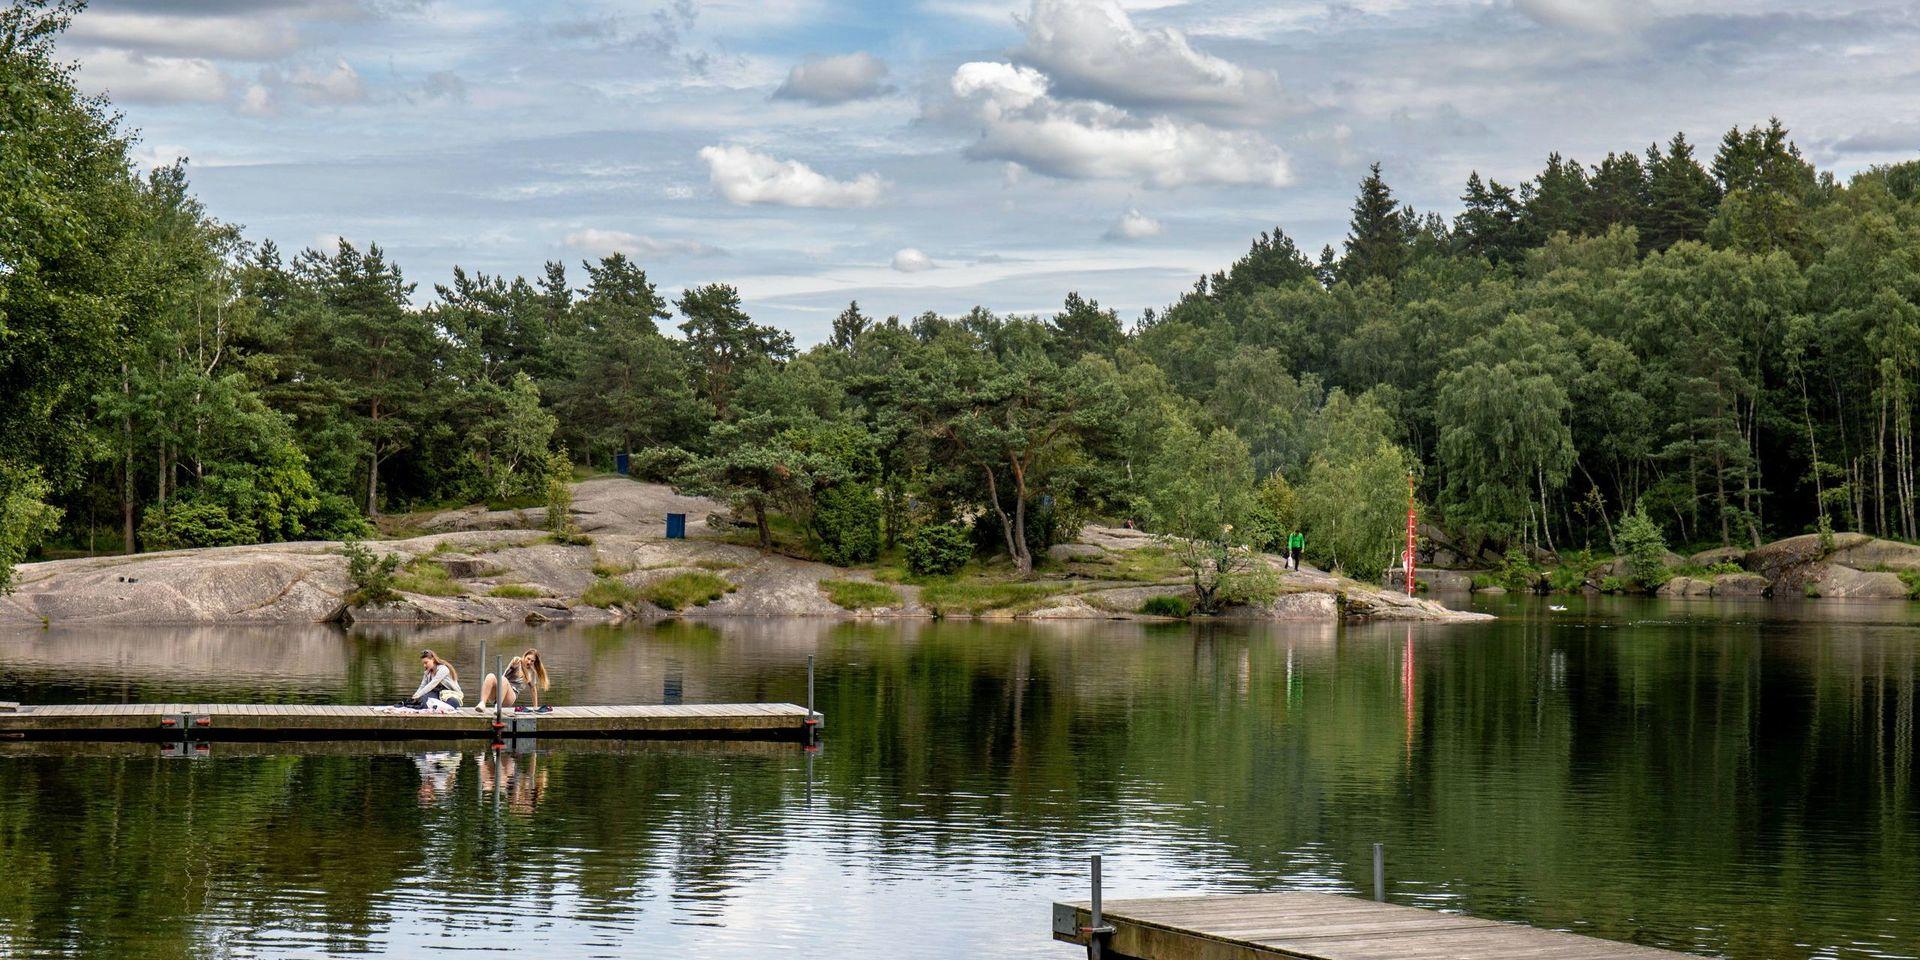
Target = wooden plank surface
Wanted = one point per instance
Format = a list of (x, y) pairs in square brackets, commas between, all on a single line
[(1321, 926), (320, 721)]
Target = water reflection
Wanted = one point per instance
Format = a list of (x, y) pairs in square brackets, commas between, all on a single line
[(1740, 785)]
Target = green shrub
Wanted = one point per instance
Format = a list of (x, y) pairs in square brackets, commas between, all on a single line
[(1811, 591), (606, 568), (683, 590), (336, 517), (372, 576), (607, 592), (1483, 581), (1612, 585), (1167, 606), (1826, 536), (1644, 548), (658, 464), (846, 522), (937, 549), (1517, 571), (1043, 529), (425, 576), (515, 591), (860, 594), (1724, 567), (192, 523), (1912, 579), (559, 490)]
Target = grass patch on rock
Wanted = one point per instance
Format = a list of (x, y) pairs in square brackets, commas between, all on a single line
[(1167, 606), (607, 593), (515, 591), (976, 597), (859, 594), (607, 569), (426, 577), (716, 565), (683, 590)]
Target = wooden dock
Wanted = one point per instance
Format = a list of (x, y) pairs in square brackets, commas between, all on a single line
[(254, 721), (1319, 926)]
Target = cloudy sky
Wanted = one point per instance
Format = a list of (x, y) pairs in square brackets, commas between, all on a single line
[(935, 154)]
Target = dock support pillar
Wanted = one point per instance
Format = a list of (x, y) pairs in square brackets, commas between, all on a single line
[(813, 719), (1380, 872), (1097, 929)]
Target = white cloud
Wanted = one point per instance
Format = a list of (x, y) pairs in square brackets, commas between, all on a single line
[(341, 84), (235, 38), (745, 177), (854, 76), (1611, 17), (593, 240), (909, 260), (126, 75), (1133, 225), (1092, 48), (258, 101), (1083, 139)]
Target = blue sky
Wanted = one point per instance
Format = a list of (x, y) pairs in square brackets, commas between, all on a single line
[(936, 154)]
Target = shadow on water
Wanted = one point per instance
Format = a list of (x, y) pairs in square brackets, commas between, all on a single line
[(1728, 780)]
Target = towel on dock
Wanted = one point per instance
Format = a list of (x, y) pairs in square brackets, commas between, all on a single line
[(431, 706)]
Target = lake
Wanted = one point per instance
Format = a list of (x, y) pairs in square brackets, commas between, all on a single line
[(1727, 779)]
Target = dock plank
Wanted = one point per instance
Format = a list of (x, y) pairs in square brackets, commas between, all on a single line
[(259, 721), (1298, 925)]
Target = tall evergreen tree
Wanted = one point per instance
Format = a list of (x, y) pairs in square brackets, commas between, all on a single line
[(725, 341), (1379, 237), (1680, 196)]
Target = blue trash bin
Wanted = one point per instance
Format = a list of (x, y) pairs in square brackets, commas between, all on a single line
[(622, 462), (676, 526)]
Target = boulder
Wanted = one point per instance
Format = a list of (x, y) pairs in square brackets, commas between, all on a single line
[(1878, 554), (1681, 587), (1707, 558), (1744, 586), (1492, 591), (1837, 580), (1777, 560), (1312, 606)]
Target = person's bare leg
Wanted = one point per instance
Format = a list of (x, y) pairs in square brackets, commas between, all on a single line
[(507, 696), (486, 688)]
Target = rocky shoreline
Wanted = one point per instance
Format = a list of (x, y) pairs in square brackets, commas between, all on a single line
[(498, 567)]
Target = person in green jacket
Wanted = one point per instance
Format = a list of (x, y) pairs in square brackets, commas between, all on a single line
[(1296, 544)]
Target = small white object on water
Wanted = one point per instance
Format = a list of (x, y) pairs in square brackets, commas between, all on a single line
[(1556, 608)]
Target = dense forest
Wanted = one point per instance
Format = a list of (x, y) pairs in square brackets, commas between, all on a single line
[(1727, 344)]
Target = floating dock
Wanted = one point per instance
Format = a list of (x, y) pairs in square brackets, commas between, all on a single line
[(270, 722), (1318, 926)]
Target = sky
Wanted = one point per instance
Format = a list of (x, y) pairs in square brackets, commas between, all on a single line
[(937, 154)]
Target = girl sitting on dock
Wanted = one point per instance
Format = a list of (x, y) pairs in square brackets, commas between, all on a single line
[(439, 684), (526, 674)]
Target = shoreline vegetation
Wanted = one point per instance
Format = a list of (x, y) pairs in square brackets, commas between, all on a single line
[(1610, 356)]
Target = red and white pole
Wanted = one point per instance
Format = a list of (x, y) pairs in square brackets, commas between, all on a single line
[(1411, 527)]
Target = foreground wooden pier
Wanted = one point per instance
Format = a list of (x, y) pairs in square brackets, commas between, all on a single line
[(1318, 926), (243, 721)]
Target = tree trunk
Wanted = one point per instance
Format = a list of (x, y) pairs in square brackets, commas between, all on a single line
[(1015, 535), (373, 483), (760, 523), (126, 465)]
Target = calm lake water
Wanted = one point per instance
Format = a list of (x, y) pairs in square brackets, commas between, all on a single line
[(1733, 780)]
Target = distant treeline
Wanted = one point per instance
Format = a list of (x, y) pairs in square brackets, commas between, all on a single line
[(1730, 348)]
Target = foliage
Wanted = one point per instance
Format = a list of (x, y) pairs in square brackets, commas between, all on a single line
[(1353, 504), (1517, 571), (1203, 504), (683, 590), (1167, 606), (24, 517), (607, 592), (860, 594), (372, 576), (846, 522), (426, 576), (975, 597), (1644, 548), (192, 523), (1912, 579), (559, 490), (936, 549)]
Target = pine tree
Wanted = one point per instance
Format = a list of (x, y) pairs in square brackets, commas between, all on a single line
[(1379, 236), (1490, 225), (1557, 200), (1617, 193), (1681, 196), (849, 325)]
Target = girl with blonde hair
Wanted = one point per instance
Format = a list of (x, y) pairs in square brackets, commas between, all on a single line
[(526, 675)]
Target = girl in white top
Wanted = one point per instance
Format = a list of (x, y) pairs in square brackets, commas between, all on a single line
[(439, 684)]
